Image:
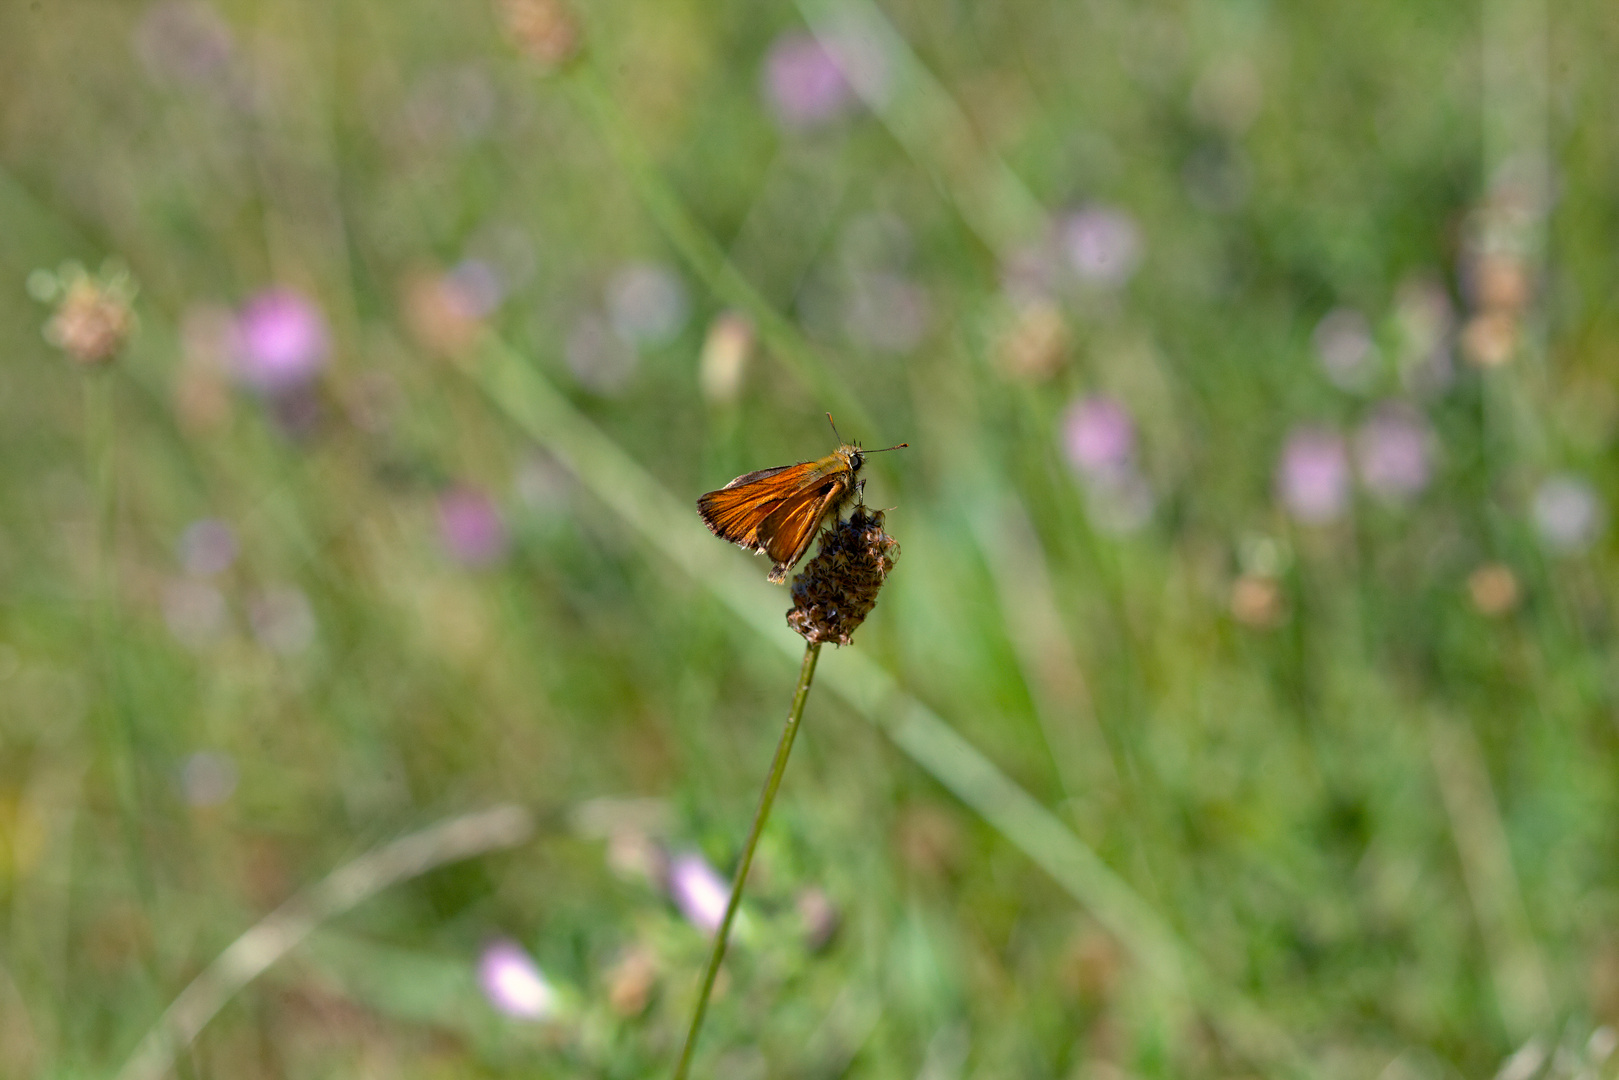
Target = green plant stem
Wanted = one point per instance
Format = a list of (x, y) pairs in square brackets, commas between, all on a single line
[(101, 455), (767, 798)]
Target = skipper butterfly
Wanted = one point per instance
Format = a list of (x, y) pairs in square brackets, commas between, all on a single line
[(778, 511)]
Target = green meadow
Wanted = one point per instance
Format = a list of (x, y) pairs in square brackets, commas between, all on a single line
[(1244, 701)]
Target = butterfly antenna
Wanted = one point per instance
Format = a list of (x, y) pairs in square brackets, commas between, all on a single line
[(886, 449), (834, 429)]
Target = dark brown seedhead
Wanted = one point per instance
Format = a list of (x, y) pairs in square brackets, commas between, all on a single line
[(839, 587)]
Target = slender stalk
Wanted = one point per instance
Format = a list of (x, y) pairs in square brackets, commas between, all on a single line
[(767, 798), (101, 455)]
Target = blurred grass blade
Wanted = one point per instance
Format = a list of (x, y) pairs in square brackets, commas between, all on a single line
[(925, 119), (671, 526), (284, 928), (705, 257), (1522, 992)]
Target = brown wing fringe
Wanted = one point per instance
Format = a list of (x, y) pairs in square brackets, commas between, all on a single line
[(731, 517)]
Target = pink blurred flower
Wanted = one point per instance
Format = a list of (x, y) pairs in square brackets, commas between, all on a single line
[(1343, 344), (283, 342), (1099, 437), (471, 526), (183, 41), (646, 303), (282, 619), (478, 286), (599, 358), (514, 984), (1568, 513), (1312, 478), (1391, 453), (804, 83), (1103, 245), (207, 547), (698, 891), (887, 313)]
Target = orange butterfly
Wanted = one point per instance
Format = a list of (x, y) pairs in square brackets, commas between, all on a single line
[(778, 511)]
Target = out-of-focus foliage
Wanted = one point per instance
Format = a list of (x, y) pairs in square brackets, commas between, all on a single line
[(1257, 363)]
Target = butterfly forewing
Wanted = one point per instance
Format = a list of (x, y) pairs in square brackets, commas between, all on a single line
[(786, 534), (757, 475), (736, 511)]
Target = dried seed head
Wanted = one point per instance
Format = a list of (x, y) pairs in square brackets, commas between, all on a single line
[(546, 31), (94, 314), (839, 587)]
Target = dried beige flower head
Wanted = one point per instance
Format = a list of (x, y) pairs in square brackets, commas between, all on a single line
[(545, 31), (1035, 346), (839, 587), (94, 314)]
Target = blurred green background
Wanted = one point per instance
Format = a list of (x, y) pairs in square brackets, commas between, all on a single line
[(1243, 703)]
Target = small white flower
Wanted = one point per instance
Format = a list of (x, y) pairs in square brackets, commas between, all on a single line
[(699, 892), (513, 983)]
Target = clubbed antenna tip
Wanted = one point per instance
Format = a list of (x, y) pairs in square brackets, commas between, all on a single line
[(839, 587)]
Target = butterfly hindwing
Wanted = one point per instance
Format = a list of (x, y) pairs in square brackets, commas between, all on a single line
[(786, 533)]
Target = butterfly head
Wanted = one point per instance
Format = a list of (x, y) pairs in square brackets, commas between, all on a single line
[(852, 456)]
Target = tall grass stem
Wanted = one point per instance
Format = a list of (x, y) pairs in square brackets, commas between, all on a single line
[(767, 799), (101, 449)]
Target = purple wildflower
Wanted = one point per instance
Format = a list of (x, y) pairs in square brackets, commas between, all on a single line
[(698, 891), (477, 285), (1343, 344), (1103, 245), (514, 984), (1312, 478), (471, 526), (601, 360), (646, 304), (886, 313), (1099, 437), (207, 547), (185, 42), (283, 342), (1391, 453), (804, 82), (1568, 513)]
